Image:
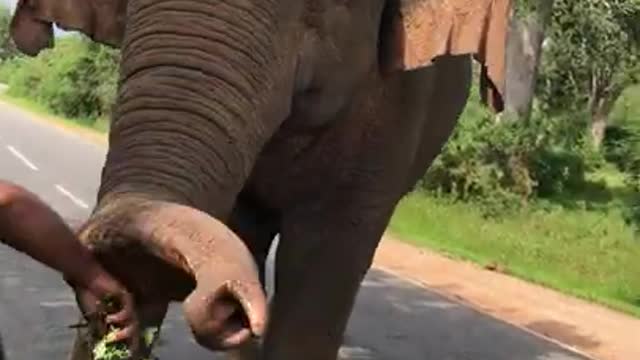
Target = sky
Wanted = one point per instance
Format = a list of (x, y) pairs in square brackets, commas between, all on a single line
[(11, 3)]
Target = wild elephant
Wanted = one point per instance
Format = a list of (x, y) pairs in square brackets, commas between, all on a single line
[(239, 120)]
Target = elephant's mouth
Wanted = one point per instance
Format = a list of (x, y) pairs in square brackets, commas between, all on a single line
[(167, 252)]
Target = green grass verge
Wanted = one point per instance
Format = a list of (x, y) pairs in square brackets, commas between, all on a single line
[(588, 253), (101, 125), (627, 108)]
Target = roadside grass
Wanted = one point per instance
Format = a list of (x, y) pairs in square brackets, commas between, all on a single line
[(627, 107), (96, 129), (100, 125), (586, 251)]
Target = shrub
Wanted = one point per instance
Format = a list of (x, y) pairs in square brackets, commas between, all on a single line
[(75, 79), (502, 164)]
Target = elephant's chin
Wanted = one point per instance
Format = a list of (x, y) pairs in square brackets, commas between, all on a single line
[(168, 252)]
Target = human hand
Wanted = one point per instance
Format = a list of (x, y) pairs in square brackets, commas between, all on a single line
[(104, 300)]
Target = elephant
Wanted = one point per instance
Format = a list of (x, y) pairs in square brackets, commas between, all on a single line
[(239, 121)]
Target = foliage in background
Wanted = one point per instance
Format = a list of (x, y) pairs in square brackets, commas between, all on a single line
[(504, 164), (76, 79), (591, 56), (7, 48)]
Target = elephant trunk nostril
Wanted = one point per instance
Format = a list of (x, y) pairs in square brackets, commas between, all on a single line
[(230, 311), (223, 319)]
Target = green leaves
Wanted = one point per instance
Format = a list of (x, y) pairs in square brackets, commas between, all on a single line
[(591, 54), (76, 79), (104, 350), (7, 48), (502, 164)]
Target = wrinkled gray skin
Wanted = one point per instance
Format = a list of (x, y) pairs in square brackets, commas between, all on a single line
[(272, 117)]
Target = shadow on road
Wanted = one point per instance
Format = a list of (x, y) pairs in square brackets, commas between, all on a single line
[(563, 332), (392, 320), (395, 320)]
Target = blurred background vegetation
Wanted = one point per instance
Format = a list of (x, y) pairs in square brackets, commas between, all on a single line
[(549, 190)]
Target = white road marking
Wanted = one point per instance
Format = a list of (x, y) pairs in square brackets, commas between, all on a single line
[(72, 197), (57, 304), (23, 158)]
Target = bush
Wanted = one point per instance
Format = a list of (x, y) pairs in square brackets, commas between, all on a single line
[(8, 67), (622, 138), (622, 147), (502, 164), (76, 79)]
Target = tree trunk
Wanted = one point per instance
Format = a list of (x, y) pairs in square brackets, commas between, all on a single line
[(524, 47), (598, 128), (600, 109), (601, 102)]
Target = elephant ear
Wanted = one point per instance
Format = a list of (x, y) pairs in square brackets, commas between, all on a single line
[(32, 23), (421, 30)]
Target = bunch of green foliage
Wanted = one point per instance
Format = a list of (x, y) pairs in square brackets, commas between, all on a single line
[(75, 79), (106, 349), (622, 143), (502, 164)]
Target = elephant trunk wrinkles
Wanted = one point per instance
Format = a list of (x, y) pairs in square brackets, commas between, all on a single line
[(195, 106), (197, 80)]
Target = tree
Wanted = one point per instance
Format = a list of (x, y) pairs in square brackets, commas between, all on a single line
[(7, 48), (77, 78), (592, 56), (527, 28)]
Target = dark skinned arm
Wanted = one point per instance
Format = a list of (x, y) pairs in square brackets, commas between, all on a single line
[(28, 225)]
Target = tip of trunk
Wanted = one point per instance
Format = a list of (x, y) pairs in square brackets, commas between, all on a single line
[(228, 316), (170, 252)]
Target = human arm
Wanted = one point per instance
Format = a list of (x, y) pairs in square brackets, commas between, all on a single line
[(28, 225)]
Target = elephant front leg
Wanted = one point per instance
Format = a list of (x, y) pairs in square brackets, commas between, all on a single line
[(322, 259)]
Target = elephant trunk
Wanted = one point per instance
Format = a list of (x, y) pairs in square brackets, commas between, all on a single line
[(226, 306), (203, 87)]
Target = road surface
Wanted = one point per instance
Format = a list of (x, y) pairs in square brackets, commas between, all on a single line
[(393, 320)]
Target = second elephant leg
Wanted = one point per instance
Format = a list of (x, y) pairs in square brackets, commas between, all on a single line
[(323, 257)]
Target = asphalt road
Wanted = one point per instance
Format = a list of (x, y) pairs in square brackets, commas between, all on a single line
[(393, 319)]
